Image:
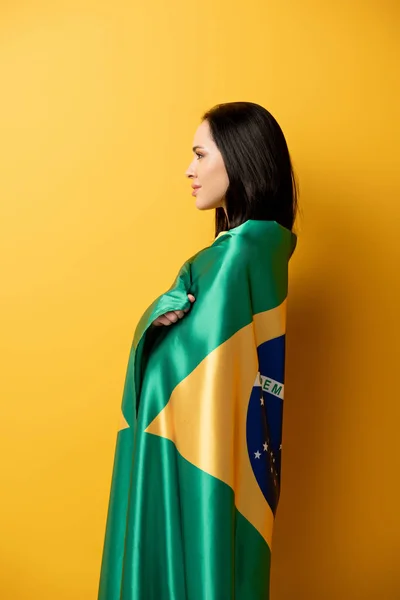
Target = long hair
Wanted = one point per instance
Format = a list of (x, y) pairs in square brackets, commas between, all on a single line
[(262, 184)]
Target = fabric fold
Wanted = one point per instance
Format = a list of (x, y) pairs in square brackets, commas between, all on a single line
[(196, 477)]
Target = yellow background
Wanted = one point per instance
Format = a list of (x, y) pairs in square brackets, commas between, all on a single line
[(98, 107)]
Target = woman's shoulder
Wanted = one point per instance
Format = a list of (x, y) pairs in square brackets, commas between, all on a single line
[(251, 245), (258, 238)]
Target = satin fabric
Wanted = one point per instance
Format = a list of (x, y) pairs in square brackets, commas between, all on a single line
[(196, 477)]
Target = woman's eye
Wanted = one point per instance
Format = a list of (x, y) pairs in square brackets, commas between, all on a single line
[(199, 155)]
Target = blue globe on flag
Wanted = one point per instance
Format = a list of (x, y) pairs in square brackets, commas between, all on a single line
[(264, 419)]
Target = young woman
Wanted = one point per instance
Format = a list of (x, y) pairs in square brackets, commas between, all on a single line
[(196, 477), (242, 169)]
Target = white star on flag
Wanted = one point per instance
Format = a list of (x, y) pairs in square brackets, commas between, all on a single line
[(257, 454)]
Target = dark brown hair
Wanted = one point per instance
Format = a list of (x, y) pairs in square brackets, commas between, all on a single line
[(262, 184)]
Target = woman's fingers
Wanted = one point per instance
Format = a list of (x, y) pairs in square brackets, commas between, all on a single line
[(171, 316), (161, 321), (174, 315), (192, 299)]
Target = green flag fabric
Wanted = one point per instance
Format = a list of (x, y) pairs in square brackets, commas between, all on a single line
[(196, 477)]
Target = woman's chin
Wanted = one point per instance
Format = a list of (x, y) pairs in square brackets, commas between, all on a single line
[(202, 205)]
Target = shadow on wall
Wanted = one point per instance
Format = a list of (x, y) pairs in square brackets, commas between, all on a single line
[(322, 546)]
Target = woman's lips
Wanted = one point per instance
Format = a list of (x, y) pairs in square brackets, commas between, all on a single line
[(195, 191)]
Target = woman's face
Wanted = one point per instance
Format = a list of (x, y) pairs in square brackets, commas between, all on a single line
[(207, 170)]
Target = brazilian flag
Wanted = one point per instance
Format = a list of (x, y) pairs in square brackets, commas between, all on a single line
[(196, 476)]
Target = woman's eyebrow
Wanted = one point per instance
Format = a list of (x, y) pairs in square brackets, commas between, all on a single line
[(195, 147)]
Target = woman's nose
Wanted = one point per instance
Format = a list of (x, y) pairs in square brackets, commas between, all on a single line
[(189, 172)]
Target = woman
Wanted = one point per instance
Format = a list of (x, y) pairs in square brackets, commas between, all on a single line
[(196, 478)]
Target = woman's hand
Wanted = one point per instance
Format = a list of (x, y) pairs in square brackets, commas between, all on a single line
[(172, 317)]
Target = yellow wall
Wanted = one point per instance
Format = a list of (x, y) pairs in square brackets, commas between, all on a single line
[(98, 106)]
